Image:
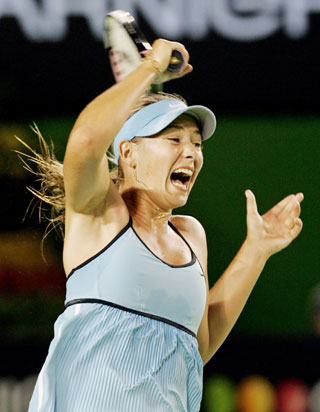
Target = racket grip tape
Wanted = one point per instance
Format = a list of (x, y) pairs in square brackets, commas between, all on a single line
[(177, 61)]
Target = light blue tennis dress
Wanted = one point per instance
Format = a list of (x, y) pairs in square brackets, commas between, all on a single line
[(126, 341)]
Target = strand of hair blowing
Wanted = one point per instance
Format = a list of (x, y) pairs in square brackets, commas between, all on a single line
[(49, 173)]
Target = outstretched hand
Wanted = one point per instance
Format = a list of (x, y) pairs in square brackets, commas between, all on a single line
[(278, 227)]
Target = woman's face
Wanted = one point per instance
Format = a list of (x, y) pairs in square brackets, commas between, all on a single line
[(168, 163)]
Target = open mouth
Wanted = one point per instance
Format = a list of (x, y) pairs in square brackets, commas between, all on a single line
[(181, 178)]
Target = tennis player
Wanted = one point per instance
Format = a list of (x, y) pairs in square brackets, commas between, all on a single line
[(140, 320)]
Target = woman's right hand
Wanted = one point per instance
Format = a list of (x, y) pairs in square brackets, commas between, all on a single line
[(159, 57)]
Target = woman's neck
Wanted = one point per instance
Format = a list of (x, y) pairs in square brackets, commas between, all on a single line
[(144, 212)]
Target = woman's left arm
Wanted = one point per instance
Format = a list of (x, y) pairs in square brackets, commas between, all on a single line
[(266, 235)]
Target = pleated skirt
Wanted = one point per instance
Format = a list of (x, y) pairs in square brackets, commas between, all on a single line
[(106, 359)]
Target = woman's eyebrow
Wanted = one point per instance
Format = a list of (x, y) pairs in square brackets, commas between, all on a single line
[(177, 127), (173, 126)]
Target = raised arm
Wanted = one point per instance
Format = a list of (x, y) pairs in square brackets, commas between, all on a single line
[(85, 166), (266, 235)]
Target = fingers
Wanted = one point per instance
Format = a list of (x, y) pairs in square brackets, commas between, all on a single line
[(280, 207), (180, 47), (251, 203), (288, 211), (299, 197), (186, 69), (162, 52), (291, 211), (296, 228), (285, 207), (291, 214)]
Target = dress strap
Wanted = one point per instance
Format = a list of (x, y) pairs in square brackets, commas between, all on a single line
[(186, 242)]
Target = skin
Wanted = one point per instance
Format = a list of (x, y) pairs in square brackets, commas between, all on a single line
[(154, 159), (96, 210)]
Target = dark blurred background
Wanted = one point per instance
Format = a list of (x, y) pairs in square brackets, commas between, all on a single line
[(256, 65)]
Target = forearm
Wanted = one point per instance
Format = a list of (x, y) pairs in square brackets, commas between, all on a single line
[(229, 295), (104, 116)]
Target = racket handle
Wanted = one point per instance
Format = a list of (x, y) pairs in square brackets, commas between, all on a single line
[(177, 61)]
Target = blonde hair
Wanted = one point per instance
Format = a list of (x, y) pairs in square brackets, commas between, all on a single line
[(50, 197)]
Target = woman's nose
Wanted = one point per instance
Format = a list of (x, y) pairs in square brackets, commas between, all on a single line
[(189, 150)]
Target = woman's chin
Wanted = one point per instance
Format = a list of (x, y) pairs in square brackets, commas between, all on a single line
[(179, 201)]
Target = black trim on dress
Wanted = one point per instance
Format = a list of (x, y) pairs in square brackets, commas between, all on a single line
[(193, 256), (122, 231), (185, 240), (137, 312)]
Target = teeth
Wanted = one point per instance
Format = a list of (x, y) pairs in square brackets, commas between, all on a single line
[(179, 184), (187, 172)]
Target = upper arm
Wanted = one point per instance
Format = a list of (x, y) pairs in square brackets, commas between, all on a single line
[(86, 173), (195, 234)]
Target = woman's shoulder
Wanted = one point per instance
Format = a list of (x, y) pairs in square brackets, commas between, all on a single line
[(189, 226), (194, 233)]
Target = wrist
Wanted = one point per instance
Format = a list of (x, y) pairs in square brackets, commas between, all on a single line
[(256, 250), (153, 64)]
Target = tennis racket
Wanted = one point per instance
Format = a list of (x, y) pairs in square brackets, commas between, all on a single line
[(126, 45)]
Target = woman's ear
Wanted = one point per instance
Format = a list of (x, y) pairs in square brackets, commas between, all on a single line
[(125, 151)]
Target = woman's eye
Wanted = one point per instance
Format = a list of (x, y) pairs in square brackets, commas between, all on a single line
[(174, 139), (198, 145)]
